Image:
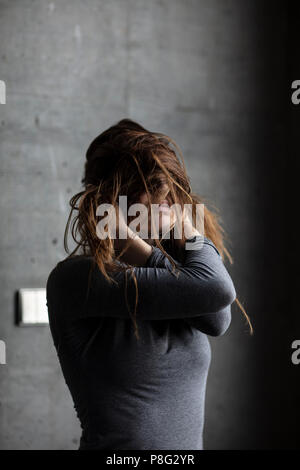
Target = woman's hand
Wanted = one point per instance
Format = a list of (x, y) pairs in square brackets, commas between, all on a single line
[(137, 250), (166, 228), (188, 229)]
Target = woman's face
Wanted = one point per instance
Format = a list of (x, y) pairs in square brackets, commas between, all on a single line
[(166, 219)]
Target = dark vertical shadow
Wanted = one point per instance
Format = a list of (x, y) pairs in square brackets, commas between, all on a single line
[(277, 378), (291, 224)]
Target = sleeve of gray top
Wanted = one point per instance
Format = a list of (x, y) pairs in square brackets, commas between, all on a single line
[(213, 324), (202, 286)]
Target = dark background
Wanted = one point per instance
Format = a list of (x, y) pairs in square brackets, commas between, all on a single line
[(216, 76)]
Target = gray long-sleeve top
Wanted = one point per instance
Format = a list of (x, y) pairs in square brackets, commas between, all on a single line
[(147, 393)]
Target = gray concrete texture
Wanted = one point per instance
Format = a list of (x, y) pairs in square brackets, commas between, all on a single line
[(200, 71)]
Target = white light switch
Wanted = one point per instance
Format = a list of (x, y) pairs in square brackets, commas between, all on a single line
[(32, 307)]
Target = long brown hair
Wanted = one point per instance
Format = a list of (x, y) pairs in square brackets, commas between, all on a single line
[(127, 159)]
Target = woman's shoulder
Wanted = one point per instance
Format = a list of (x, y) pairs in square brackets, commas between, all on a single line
[(75, 259), (70, 268)]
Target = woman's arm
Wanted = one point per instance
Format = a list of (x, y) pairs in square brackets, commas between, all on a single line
[(137, 250), (213, 324), (203, 286)]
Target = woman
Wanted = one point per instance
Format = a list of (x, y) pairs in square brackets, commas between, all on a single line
[(130, 315)]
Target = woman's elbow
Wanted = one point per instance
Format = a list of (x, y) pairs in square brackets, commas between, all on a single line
[(212, 324), (224, 294), (230, 292), (221, 325)]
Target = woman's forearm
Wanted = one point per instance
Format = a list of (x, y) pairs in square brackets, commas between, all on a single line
[(138, 250)]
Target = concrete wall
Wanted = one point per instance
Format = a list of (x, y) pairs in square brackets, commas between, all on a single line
[(209, 73)]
